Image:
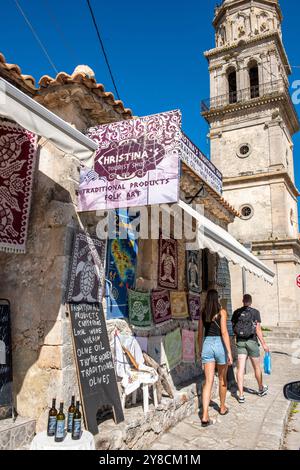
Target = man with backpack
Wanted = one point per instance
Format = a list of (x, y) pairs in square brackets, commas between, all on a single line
[(246, 322)]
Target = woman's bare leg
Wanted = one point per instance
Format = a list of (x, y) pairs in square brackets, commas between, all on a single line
[(222, 373), (209, 371)]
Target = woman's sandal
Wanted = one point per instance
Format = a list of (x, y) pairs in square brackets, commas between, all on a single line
[(205, 424), (226, 412)]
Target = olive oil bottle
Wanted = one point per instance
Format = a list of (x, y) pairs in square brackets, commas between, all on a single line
[(76, 431), (60, 424), (52, 418), (71, 412)]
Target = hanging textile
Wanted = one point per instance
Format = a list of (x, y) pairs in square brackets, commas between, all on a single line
[(139, 308), (194, 271), (86, 277), (224, 289), (173, 348), (121, 269), (205, 267), (156, 349), (179, 307), (194, 306), (161, 306), (17, 160), (143, 342), (188, 346), (197, 348), (168, 263)]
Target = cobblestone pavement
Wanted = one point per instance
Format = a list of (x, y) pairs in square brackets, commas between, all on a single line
[(259, 423)]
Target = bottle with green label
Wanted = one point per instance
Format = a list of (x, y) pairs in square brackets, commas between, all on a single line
[(52, 418), (60, 424), (71, 412), (76, 431)]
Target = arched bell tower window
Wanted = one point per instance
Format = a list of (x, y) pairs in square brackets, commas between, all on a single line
[(232, 85), (254, 79)]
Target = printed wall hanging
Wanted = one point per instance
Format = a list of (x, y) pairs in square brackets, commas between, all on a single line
[(139, 308), (167, 263), (86, 278), (194, 271), (188, 346), (120, 270), (17, 161), (194, 306), (173, 348), (156, 349), (179, 307), (161, 306)]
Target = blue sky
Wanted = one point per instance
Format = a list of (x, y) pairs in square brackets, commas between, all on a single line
[(155, 49)]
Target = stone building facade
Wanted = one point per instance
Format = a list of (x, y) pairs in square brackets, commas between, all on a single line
[(252, 121), (43, 358), (43, 364)]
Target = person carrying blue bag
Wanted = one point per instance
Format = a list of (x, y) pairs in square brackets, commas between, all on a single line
[(267, 363), (246, 322)]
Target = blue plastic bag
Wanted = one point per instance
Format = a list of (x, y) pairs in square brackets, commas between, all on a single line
[(268, 363)]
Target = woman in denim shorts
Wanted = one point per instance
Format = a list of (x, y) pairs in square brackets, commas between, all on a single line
[(215, 346)]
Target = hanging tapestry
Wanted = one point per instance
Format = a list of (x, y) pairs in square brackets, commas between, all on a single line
[(86, 278), (224, 289), (188, 346), (161, 307), (173, 348), (120, 270), (205, 268), (194, 271), (143, 342), (168, 263), (194, 306), (179, 307), (17, 160), (156, 349), (197, 348), (139, 308)]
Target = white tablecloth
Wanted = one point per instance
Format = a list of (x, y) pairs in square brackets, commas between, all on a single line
[(43, 442)]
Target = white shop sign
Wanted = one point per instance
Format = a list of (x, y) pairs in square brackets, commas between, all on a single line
[(197, 161)]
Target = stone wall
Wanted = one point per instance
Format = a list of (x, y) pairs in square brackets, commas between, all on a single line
[(34, 283)]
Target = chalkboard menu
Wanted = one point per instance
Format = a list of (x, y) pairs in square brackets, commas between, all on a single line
[(5, 358), (94, 362)]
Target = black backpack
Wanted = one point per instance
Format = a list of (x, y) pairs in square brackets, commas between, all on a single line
[(245, 326)]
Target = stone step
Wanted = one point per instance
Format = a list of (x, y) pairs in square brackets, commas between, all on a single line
[(282, 333), (18, 434)]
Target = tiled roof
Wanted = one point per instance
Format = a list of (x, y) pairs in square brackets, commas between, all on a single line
[(90, 82), (27, 84)]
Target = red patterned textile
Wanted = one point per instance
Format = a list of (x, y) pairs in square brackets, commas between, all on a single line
[(17, 158)]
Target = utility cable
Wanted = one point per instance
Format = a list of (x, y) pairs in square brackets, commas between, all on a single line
[(103, 48), (36, 36), (54, 21)]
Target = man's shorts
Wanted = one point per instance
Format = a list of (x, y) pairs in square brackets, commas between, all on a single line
[(249, 347)]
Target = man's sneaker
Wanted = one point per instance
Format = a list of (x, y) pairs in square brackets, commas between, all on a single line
[(241, 399), (264, 391)]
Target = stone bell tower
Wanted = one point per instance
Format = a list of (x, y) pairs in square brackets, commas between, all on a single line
[(252, 120)]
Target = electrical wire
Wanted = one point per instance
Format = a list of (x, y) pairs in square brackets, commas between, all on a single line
[(103, 48), (36, 36), (54, 21)]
